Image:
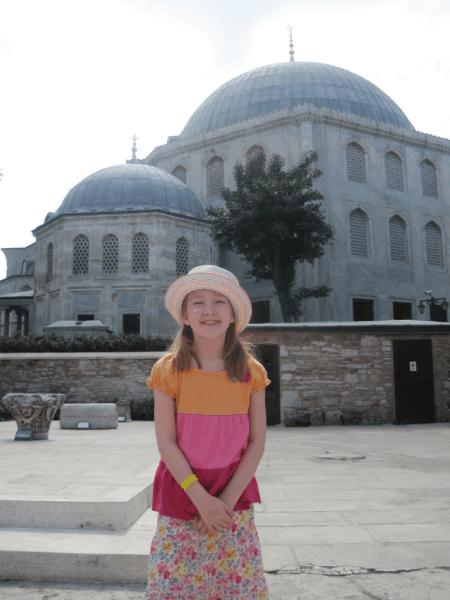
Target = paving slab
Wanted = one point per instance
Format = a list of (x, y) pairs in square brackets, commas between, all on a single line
[(348, 512)]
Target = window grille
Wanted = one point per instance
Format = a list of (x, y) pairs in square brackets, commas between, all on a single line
[(80, 256), (215, 176), (131, 324), (223, 257), (180, 173), (140, 254), (181, 257), (433, 244), (437, 313), (110, 258), (362, 309), (358, 233), (393, 171), (260, 312), (355, 163), (49, 276), (428, 176), (402, 310), (397, 239), (253, 151)]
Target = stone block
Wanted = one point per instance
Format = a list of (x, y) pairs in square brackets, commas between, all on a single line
[(352, 417), (333, 417), (290, 399), (299, 420), (317, 419), (99, 416), (351, 378)]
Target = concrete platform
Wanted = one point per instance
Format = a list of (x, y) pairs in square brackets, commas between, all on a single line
[(360, 504)]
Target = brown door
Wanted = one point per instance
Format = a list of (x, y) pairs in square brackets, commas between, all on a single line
[(269, 358), (414, 389)]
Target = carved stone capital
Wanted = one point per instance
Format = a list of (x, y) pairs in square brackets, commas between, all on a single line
[(34, 411)]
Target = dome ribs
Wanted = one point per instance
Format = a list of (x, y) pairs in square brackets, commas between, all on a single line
[(284, 85)]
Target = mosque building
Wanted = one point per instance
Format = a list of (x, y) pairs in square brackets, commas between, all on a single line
[(125, 233)]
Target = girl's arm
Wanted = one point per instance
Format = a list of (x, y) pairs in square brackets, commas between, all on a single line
[(253, 453), (179, 468), (166, 437)]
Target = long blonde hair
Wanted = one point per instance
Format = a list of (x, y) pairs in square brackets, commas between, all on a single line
[(236, 352)]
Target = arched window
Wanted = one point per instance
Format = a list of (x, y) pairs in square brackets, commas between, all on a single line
[(49, 274), (433, 244), (397, 239), (110, 256), (428, 177), (80, 265), (215, 176), (393, 171), (180, 173), (355, 163), (181, 257), (253, 151), (140, 254), (358, 233)]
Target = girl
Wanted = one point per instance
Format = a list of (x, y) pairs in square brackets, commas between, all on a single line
[(210, 423)]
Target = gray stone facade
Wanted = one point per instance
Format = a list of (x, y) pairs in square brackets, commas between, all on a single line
[(389, 209), (293, 132)]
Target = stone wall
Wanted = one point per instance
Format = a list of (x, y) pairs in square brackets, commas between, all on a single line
[(341, 373), (344, 372), (83, 377)]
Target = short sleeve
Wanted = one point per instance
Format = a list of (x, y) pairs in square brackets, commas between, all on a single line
[(259, 379), (163, 377)]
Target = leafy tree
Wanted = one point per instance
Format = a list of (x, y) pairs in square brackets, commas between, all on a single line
[(274, 220)]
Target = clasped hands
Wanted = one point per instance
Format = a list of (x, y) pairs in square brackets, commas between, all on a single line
[(202, 527)]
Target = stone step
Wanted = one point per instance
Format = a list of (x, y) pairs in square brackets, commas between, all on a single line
[(117, 511), (71, 555)]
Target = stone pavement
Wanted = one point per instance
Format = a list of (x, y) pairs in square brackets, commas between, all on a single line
[(350, 513)]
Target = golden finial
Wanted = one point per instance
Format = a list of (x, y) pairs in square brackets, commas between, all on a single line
[(291, 45)]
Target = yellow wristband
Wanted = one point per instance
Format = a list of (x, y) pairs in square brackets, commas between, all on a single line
[(187, 482)]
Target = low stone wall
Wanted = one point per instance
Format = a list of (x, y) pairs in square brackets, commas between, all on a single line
[(329, 373), (343, 373), (83, 377)]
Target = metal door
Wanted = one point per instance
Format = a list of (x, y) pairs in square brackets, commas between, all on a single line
[(414, 388), (269, 358)]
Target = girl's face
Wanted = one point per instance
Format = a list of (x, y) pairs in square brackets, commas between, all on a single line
[(207, 305)]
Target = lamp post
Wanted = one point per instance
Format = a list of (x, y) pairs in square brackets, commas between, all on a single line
[(433, 302)]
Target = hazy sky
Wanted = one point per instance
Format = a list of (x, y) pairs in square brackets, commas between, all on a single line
[(78, 79)]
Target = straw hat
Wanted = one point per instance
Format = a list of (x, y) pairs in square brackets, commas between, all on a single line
[(211, 278)]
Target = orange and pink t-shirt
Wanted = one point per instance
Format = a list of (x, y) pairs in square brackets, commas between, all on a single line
[(212, 426)]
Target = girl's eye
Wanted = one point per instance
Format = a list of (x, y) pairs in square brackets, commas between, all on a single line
[(221, 301)]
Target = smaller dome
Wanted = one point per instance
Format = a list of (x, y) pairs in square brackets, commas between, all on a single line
[(130, 187)]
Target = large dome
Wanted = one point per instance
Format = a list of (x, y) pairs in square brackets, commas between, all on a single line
[(130, 187), (284, 85)]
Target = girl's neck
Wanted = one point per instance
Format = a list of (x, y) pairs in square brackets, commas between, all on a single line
[(211, 352), (211, 359)]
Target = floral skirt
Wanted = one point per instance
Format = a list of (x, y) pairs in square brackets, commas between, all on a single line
[(187, 565)]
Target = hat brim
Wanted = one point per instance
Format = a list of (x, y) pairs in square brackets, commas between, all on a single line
[(238, 298)]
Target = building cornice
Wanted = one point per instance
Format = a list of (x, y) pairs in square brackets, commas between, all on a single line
[(295, 116), (88, 216)]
